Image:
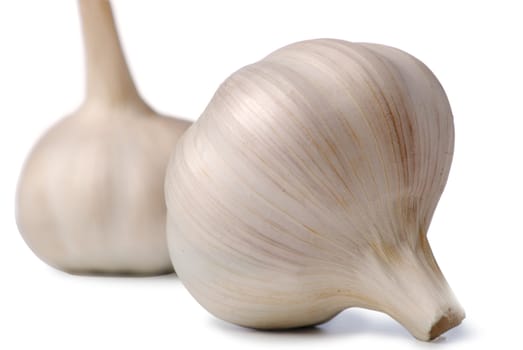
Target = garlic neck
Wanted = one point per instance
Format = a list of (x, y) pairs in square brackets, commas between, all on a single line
[(410, 287), (108, 77)]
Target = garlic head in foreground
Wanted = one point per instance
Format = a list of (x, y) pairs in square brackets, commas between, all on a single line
[(308, 185)]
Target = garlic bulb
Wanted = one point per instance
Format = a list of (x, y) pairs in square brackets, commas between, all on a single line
[(307, 186), (90, 197)]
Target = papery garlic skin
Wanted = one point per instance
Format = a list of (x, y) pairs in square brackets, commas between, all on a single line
[(90, 198), (307, 186)]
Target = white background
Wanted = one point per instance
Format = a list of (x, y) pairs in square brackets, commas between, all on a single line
[(179, 52)]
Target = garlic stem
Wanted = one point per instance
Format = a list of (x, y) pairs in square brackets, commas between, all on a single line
[(108, 77), (412, 290)]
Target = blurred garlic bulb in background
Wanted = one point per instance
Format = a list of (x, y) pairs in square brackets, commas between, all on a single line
[(308, 185), (90, 197)]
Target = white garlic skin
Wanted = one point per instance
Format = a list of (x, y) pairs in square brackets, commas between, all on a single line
[(307, 186), (90, 197)]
